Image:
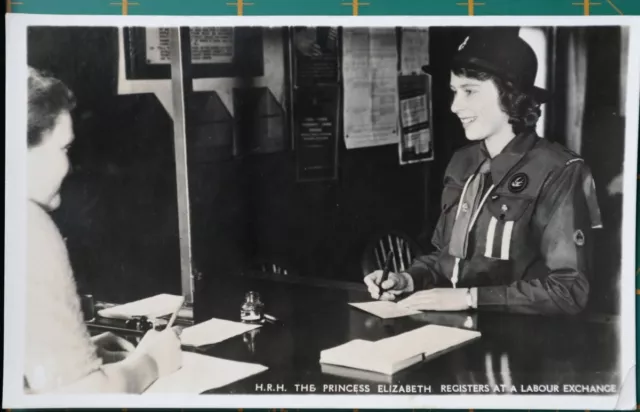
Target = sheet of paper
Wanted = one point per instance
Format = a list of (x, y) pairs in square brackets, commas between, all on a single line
[(200, 373), (213, 331), (385, 309), (152, 307), (415, 50), (370, 87)]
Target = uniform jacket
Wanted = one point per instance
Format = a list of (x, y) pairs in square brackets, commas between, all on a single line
[(529, 249)]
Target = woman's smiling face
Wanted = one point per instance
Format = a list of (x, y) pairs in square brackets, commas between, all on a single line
[(477, 105)]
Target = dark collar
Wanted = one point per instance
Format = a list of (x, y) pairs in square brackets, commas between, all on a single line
[(504, 162)]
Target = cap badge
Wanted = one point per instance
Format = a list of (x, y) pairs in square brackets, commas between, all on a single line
[(463, 44)]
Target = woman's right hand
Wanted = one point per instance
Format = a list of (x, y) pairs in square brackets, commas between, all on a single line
[(164, 348), (396, 284)]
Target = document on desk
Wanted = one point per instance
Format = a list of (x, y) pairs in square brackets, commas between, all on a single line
[(391, 355), (200, 373), (385, 309), (152, 307), (213, 331)]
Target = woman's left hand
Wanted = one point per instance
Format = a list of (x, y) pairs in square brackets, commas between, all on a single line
[(442, 299), (112, 348)]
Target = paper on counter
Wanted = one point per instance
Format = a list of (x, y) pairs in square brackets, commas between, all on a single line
[(200, 373), (385, 309), (213, 331), (152, 307)]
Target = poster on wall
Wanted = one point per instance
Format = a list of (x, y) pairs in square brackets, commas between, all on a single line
[(208, 45), (370, 71), (416, 142), (316, 123), (316, 102)]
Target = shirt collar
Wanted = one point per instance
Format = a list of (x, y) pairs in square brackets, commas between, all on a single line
[(506, 160)]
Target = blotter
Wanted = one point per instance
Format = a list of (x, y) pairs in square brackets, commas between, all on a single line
[(391, 355), (385, 309), (200, 373), (213, 331), (152, 307)]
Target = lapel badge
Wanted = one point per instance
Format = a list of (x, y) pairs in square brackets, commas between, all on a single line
[(518, 182), (578, 237), (465, 207)]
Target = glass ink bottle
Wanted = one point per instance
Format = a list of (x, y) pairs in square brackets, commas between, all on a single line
[(252, 308)]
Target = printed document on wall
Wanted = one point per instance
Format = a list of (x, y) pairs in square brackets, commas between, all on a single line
[(415, 50), (370, 87)]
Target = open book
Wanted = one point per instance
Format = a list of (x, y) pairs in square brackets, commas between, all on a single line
[(391, 355)]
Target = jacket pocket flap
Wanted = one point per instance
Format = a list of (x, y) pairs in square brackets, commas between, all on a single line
[(510, 208)]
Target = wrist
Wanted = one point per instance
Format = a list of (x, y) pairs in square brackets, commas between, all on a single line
[(407, 282), (147, 365)]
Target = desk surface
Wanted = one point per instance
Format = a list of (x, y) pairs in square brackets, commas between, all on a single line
[(514, 349)]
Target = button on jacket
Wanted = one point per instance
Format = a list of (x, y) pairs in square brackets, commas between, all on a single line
[(525, 221)]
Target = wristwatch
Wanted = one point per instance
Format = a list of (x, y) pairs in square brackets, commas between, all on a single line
[(469, 299)]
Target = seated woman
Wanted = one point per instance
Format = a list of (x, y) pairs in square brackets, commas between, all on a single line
[(60, 356), (517, 210)]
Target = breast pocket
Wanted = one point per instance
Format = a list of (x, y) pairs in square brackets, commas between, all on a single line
[(508, 222)]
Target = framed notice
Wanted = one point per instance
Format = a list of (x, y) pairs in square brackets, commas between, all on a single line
[(416, 131), (316, 119), (215, 52)]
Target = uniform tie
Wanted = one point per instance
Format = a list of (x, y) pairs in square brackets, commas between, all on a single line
[(471, 201)]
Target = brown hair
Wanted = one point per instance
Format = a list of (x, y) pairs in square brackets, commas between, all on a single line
[(48, 99)]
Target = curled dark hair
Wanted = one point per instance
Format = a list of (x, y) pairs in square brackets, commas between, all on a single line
[(523, 110), (48, 99)]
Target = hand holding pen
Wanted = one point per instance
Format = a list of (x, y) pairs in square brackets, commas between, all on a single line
[(164, 346), (385, 272), (384, 284)]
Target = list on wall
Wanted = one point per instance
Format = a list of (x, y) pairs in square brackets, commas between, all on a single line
[(370, 71)]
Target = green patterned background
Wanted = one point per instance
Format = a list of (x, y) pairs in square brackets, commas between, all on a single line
[(329, 7), (338, 8)]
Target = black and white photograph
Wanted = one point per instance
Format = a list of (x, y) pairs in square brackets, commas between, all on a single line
[(381, 213)]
